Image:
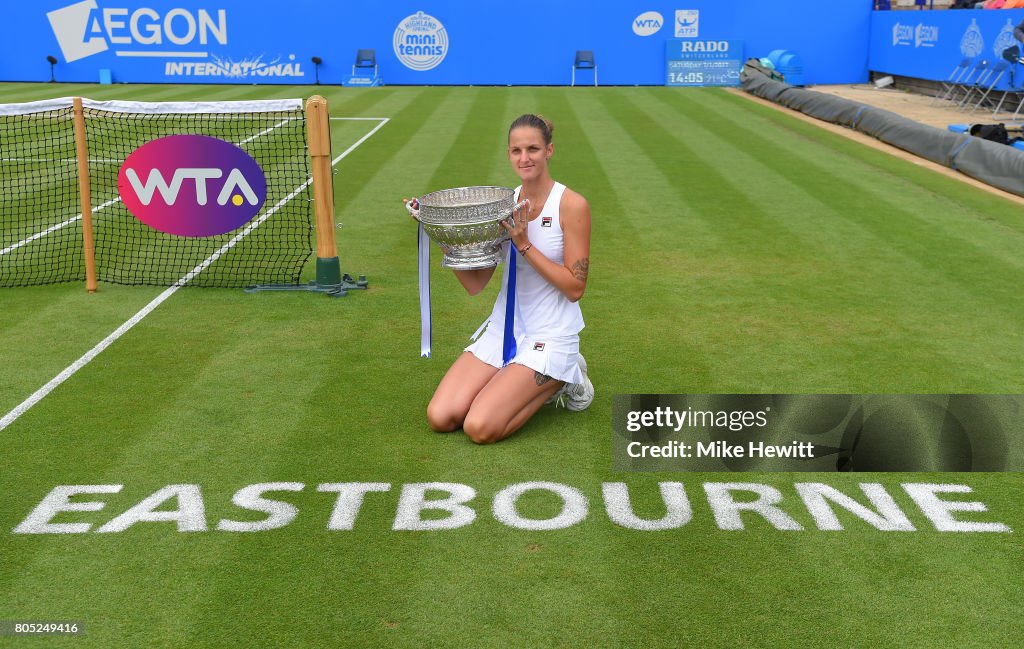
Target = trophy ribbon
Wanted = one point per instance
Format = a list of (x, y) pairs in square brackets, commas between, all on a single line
[(425, 319), (508, 345)]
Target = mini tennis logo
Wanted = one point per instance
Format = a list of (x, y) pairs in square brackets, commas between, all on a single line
[(192, 185), (421, 42)]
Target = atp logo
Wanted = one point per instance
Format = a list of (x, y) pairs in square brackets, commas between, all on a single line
[(192, 185), (687, 23)]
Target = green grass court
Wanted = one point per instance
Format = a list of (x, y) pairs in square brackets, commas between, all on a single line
[(735, 250)]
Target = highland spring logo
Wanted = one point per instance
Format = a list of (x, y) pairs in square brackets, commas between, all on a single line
[(1004, 40), (420, 42), (972, 42), (152, 184)]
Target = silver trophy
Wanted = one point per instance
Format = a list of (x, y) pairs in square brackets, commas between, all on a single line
[(466, 223)]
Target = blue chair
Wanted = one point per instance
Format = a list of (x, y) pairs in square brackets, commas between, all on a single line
[(996, 73), (970, 82), (584, 61), (365, 60), (1011, 56), (949, 85)]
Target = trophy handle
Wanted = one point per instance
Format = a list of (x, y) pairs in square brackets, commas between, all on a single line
[(520, 205), (413, 209)]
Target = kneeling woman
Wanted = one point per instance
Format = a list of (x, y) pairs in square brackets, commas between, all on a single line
[(488, 398)]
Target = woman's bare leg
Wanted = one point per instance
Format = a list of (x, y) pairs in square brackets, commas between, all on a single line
[(506, 402), (455, 394)]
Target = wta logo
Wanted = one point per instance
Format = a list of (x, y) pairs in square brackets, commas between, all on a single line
[(648, 23), (192, 185)]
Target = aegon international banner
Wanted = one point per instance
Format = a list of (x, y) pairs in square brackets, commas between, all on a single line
[(187, 41), (419, 42), (930, 44)]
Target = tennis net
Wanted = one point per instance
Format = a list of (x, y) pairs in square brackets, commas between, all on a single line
[(41, 219)]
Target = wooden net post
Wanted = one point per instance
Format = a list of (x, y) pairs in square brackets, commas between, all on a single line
[(328, 266), (329, 278), (82, 151)]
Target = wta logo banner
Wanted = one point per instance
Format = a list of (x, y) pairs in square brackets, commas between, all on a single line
[(192, 185), (648, 23)]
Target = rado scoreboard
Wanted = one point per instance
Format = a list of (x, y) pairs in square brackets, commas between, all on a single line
[(693, 62)]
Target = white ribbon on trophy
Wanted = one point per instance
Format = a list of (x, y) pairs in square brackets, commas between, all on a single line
[(466, 223), (425, 318)]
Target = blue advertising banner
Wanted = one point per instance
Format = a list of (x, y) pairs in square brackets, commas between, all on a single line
[(703, 63), (415, 41), (930, 44)]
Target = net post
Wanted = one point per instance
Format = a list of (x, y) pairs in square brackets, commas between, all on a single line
[(329, 278), (328, 266), (82, 152)]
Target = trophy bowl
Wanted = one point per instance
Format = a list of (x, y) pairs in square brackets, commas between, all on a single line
[(466, 223)]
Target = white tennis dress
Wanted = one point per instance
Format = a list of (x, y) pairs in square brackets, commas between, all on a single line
[(547, 323)]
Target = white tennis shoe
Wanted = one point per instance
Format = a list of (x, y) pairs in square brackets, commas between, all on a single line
[(576, 396)]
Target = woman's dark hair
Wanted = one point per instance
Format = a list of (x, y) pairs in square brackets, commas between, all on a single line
[(538, 122)]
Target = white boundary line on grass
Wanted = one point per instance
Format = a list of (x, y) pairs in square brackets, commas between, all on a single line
[(54, 228), (84, 360), (67, 160)]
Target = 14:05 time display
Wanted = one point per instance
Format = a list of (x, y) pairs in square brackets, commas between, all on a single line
[(686, 77)]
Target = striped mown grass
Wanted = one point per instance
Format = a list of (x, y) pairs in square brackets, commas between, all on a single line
[(735, 250)]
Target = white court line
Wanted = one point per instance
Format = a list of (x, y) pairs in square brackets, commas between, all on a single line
[(383, 121), (67, 160), (265, 131), (112, 160), (54, 228), (70, 370)]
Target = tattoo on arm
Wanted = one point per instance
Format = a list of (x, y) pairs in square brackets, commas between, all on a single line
[(541, 379), (581, 268)]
